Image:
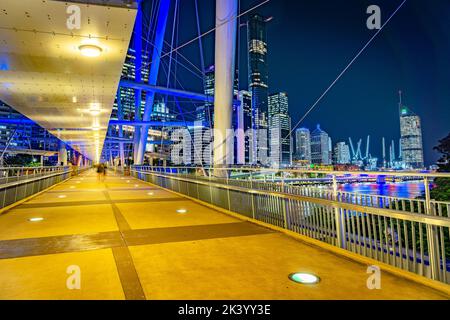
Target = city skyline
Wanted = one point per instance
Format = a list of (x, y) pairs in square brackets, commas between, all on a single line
[(410, 54), (339, 130), (259, 150)]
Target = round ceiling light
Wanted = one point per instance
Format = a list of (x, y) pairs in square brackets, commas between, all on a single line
[(304, 278), (90, 50)]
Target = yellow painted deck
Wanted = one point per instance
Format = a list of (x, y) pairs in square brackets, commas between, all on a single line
[(130, 242)]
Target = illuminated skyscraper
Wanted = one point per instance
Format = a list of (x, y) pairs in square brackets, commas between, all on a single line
[(303, 144), (258, 79), (279, 129), (342, 153), (243, 117), (205, 112), (411, 138), (205, 119), (320, 147), (127, 94)]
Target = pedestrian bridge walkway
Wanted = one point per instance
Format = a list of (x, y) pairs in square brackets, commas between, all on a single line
[(127, 239)]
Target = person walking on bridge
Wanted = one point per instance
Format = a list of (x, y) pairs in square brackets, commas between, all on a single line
[(100, 172)]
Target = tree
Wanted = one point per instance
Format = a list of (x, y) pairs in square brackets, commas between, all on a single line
[(444, 149), (442, 190)]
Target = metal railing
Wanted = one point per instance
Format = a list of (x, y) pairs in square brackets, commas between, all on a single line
[(17, 183), (413, 205), (412, 241)]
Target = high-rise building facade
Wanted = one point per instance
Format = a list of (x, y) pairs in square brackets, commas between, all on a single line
[(303, 144), (258, 80), (320, 147), (161, 111), (411, 138), (205, 120), (127, 95), (245, 148), (279, 130), (205, 112), (342, 153)]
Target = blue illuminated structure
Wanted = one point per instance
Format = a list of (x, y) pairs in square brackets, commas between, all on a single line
[(163, 13)]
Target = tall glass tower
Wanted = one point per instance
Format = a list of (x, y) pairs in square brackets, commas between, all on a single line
[(205, 115), (258, 77), (280, 127), (320, 147), (411, 138), (303, 144)]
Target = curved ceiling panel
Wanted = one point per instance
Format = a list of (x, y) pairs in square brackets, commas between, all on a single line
[(62, 77)]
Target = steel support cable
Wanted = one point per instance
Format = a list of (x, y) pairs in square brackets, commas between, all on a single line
[(172, 40), (151, 22), (344, 71), (196, 151), (164, 64), (218, 26), (180, 111), (200, 44), (181, 64), (174, 23)]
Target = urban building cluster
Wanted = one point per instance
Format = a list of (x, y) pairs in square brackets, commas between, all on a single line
[(316, 148), (19, 137), (261, 119)]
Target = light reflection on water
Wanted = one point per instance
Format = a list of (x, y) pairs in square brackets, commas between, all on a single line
[(409, 189)]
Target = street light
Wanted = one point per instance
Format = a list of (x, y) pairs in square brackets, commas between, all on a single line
[(304, 278), (90, 50)]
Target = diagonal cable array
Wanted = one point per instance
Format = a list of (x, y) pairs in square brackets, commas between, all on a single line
[(344, 71)]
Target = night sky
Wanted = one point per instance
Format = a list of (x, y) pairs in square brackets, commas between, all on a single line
[(311, 42)]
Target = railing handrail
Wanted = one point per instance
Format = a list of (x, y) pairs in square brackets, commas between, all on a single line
[(303, 171), (20, 182), (40, 167), (413, 217)]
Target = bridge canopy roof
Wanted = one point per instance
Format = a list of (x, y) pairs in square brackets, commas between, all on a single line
[(46, 74)]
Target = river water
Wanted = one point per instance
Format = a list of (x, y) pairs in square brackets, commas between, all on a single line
[(409, 189)]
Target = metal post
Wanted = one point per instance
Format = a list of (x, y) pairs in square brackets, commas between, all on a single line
[(163, 14), (338, 217), (251, 195), (62, 154), (138, 78), (433, 255), (225, 52), (120, 116)]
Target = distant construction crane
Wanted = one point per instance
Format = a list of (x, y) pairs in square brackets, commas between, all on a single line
[(360, 158)]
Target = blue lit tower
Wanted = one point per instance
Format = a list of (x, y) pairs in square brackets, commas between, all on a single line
[(280, 127), (320, 147), (411, 137), (258, 72), (303, 144)]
